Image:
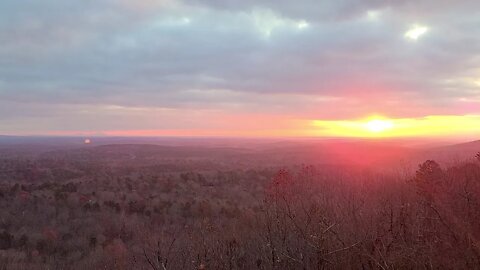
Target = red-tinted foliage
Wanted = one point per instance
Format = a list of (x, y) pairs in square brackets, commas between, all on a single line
[(280, 185), (50, 234)]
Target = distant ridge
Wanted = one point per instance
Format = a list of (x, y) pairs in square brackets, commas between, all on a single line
[(462, 146)]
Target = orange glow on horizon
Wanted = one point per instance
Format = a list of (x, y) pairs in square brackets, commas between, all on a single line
[(429, 126), (436, 126)]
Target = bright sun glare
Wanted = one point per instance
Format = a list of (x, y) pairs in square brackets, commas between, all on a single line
[(378, 125)]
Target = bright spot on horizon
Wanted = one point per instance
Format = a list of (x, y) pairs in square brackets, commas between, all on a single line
[(416, 32), (378, 125), (87, 141)]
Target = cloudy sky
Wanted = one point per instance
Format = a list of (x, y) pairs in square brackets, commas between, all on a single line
[(236, 68)]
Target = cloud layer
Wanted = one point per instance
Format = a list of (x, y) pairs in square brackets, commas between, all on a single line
[(200, 64)]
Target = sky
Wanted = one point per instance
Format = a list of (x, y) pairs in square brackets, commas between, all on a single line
[(370, 68)]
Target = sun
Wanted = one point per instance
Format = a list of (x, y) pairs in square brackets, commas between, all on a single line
[(378, 125)]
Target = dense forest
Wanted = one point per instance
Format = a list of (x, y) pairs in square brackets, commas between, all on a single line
[(60, 212)]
